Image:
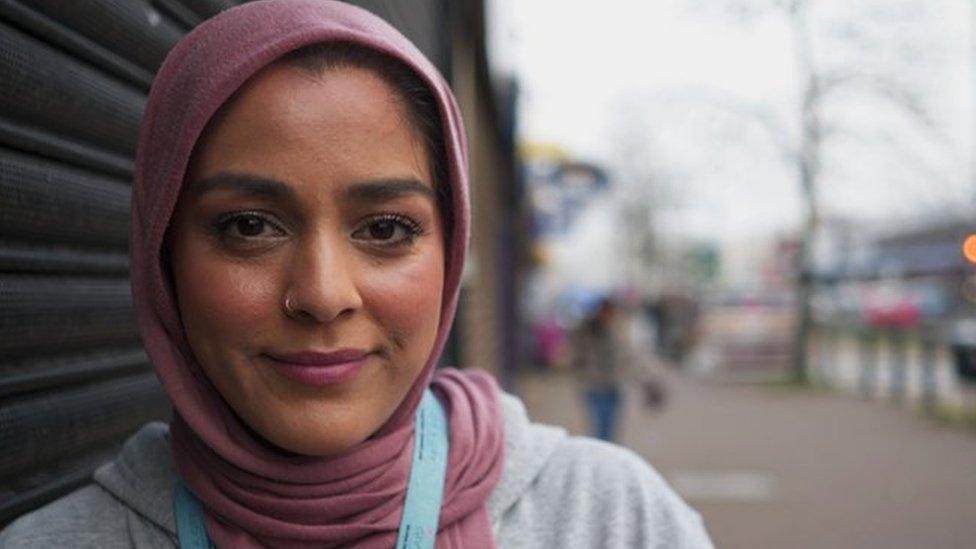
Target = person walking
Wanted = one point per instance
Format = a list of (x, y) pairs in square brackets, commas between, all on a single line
[(599, 361)]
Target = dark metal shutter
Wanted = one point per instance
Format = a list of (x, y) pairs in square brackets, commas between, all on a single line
[(425, 22), (74, 380)]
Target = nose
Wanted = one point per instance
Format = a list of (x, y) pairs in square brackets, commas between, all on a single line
[(322, 282)]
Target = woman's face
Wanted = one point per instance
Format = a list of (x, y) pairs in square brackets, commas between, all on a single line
[(308, 256)]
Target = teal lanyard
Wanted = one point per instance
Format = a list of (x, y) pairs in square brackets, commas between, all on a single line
[(418, 525), (425, 487), (189, 519)]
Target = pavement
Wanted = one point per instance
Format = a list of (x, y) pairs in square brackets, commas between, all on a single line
[(779, 466)]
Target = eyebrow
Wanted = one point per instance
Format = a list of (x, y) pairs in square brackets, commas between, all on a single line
[(377, 190), (382, 190), (245, 183)]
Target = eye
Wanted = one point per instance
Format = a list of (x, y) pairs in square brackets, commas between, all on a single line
[(388, 230), (382, 230), (247, 226)]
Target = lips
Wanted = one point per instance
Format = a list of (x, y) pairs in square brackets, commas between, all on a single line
[(314, 368), (310, 358)]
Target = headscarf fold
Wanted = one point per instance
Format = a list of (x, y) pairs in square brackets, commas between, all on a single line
[(252, 493)]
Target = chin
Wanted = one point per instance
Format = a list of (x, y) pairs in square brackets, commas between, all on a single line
[(314, 448), (315, 440)]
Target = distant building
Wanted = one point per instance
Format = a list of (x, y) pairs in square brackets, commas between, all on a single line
[(895, 278)]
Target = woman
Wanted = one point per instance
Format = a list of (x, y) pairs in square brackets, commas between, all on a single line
[(300, 221), (599, 346)]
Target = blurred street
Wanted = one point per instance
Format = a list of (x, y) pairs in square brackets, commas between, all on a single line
[(777, 466), (753, 215)]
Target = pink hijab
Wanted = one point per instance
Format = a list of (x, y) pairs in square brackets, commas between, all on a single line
[(254, 495)]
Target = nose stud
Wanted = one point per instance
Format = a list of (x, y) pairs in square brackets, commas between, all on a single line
[(289, 309)]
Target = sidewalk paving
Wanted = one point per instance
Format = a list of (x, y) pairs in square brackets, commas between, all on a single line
[(786, 467)]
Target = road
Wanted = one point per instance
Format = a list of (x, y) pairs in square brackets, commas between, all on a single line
[(773, 466)]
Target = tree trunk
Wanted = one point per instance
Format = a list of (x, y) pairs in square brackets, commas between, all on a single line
[(808, 164)]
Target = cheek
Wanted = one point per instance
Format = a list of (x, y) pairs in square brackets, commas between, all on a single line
[(406, 300), (221, 302)]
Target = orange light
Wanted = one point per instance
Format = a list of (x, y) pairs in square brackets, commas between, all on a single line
[(969, 248)]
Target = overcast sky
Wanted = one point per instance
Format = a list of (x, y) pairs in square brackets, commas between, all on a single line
[(678, 77)]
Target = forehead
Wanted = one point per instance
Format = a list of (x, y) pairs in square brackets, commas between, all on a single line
[(282, 92), (346, 123)]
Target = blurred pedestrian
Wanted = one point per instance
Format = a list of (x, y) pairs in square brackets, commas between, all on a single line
[(614, 346), (599, 361)]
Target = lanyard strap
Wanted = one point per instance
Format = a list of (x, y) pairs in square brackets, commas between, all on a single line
[(425, 487), (422, 507), (189, 519)]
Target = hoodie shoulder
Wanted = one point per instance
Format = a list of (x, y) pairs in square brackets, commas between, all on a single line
[(563, 491), (86, 518), (528, 447), (129, 504), (142, 476), (608, 496)]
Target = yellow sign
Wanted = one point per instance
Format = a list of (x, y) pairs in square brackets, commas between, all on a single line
[(542, 151)]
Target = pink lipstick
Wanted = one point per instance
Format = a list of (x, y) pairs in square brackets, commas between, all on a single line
[(313, 368)]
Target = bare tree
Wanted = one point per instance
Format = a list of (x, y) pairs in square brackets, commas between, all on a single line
[(803, 149), (644, 188), (808, 167)]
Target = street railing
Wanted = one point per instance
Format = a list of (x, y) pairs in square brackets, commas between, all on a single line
[(906, 365)]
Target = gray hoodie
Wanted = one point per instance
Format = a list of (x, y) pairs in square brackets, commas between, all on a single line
[(555, 491)]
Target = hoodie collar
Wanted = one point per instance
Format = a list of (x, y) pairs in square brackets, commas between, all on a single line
[(142, 475)]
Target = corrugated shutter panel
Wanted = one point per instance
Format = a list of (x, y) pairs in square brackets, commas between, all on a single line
[(74, 380), (424, 22)]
